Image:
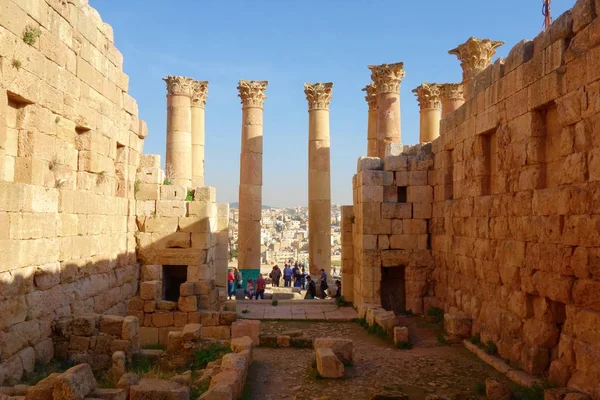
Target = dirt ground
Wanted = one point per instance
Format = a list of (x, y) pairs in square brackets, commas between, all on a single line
[(428, 368)]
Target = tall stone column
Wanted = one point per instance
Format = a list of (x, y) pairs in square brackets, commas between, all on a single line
[(253, 96), (199, 92), (451, 95), (428, 95), (475, 55), (387, 79), (178, 167), (371, 98), (319, 176)]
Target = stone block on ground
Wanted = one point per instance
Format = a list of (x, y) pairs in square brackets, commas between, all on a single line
[(495, 390), (227, 317), (157, 389), (75, 383), (400, 334), (342, 348), (218, 392), (457, 324), (248, 327), (109, 394), (43, 389), (328, 365), (216, 332), (240, 344), (191, 332), (128, 380), (232, 378)]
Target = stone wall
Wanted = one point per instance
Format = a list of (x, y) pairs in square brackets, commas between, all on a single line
[(70, 141), (515, 228), (513, 238)]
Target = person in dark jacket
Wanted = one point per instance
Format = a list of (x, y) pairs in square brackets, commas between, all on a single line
[(311, 288)]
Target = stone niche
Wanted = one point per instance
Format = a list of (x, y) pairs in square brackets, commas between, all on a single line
[(393, 288), (173, 277)]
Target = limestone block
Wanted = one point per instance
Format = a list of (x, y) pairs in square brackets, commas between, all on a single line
[(147, 389), (496, 390), (151, 290), (108, 394), (44, 351), (216, 332), (221, 391), (111, 325), (204, 287), (400, 334), (419, 194), (162, 319), (85, 324), (227, 317), (171, 208), (191, 332), (149, 306), (148, 336), (75, 383), (457, 324), (240, 344), (205, 193), (149, 161), (228, 378), (250, 328), (165, 305), (203, 209), (396, 210), (369, 163), (187, 303), (180, 318), (173, 192), (163, 334), (148, 191), (395, 163), (158, 224), (174, 342), (328, 365), (197, 225), (131, 327), (43, 389), (342, 348), (370, 194), (27, 356), (151, 272), (283, 341)]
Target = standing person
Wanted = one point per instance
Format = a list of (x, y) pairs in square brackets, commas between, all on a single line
[(260, 287), (338, 290), (297, 278), (287, 276), (238, 279), (272, 275), (311, 291), (250, 288), (304, 275), (277, 275), (324, 285), (230, 283)]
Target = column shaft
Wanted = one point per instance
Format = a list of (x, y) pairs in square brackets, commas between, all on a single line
[(451, 105), (319, 177), (178, 167), (199, 92), (430, 124), (250, 194), (371, 98)]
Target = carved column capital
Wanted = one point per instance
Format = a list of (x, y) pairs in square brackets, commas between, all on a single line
[(199, 93), (318, 95), (451, 91), (387, 77), (252, 93), (371, 95), (475, 55), (428, 95), (179, 85)]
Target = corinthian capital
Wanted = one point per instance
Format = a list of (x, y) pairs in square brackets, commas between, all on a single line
[(371, 95), (387, 77), (252, 93), (428, 95), (451, 91), (179, 85), (475, 55), (199, 93), (318, 95)]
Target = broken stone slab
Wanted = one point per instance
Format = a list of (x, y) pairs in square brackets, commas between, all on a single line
[(328, 365), (154, 389), (342, 348), (109, 394), (191, 332), (495, 390), (43, 389), (75, 383), (457, 324), (400, 334)]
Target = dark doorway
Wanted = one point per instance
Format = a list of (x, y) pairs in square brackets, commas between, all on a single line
[(393, 289), (173, 277)]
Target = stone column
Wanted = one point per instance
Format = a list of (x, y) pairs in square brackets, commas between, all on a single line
[(319, 177), (371, 98), (428, 95), (451, 95), (199, 92), (253, 96), (475, 55), (178, 164), (387, 79)]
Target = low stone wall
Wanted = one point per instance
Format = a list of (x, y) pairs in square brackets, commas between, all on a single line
[(93, 338)]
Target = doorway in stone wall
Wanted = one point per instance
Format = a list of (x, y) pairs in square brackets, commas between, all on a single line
[(173, 277), (393, 289)]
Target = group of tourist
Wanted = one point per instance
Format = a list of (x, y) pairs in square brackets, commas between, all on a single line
[(296, 276)]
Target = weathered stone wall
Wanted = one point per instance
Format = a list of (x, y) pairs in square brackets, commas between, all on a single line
[(515, 231), (70, 141), (347, 252)]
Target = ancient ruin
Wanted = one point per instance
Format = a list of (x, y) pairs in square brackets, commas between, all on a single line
[(485, 235)]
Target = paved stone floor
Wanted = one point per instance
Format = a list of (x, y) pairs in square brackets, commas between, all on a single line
[(295, 310)]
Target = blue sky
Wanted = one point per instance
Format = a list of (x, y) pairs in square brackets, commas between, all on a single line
[(289, 42)]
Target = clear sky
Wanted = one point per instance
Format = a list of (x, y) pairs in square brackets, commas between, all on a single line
[(289, 42)]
